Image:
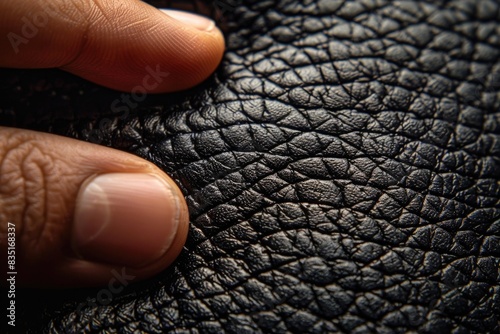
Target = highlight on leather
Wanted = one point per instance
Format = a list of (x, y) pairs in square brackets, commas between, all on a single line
[(341, 168)]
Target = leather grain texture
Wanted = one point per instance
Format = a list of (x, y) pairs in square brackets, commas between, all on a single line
[(342, 169)]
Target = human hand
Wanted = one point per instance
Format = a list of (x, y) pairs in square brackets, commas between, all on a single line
[(83, 212)]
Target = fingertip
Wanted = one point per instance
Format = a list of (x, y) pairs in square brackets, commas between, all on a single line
[(183, 49), (89, 210), (112, 45)]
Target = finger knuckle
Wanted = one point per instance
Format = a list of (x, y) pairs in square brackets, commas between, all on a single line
[(24, 173)]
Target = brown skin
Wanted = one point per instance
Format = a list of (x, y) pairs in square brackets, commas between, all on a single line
[(111, 43), (38, 187), (108, 42)]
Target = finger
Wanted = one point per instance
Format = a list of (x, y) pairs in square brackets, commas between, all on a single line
[(118, 44), (83, 213)]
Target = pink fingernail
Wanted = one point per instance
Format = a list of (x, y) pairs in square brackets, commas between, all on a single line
[(125, 218)]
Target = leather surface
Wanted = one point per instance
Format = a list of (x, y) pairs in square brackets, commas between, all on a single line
[(342, 169)]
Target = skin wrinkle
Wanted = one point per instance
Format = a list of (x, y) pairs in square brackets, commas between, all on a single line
[(413, 247), (33, 210), (9, 149), (91, 18), (67, 13), (35, 184)]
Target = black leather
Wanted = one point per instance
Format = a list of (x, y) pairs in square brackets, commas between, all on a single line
[(342, 169)]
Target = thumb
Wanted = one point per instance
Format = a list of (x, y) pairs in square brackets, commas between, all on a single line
[(118, 44), (75, 214)]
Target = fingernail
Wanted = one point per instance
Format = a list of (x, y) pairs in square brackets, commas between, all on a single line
[(199, 22), (124, 219)]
